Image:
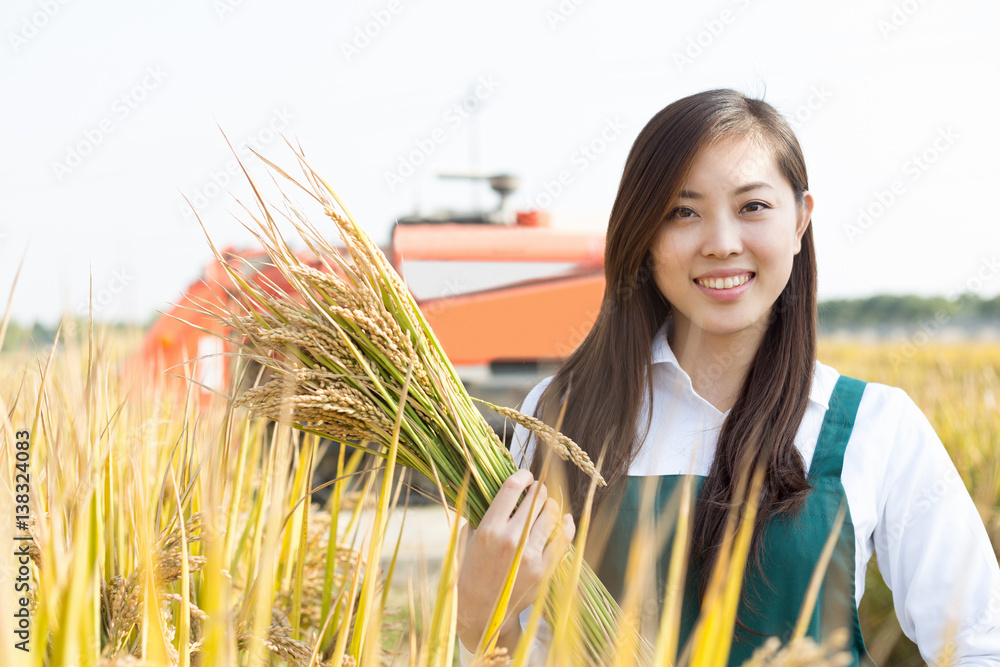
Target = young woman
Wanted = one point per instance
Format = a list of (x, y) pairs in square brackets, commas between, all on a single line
[(703, 361)]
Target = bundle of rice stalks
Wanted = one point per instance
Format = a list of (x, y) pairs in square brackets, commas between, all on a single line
[(353, 359)]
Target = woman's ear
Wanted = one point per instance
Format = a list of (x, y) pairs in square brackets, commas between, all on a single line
[(805, 210)]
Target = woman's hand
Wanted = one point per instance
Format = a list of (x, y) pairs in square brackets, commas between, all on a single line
[(489, 551)]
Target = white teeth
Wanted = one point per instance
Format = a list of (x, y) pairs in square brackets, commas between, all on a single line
[(724, 283)]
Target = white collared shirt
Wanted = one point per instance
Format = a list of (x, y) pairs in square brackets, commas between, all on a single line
[(907, 501)]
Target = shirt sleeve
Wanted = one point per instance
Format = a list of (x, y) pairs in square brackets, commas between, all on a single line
[(521, 448), (932, 547)]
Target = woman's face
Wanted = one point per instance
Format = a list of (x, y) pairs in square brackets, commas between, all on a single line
[(723, 254)]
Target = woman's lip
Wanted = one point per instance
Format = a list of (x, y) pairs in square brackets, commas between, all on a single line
[(730, 294), (730, 273)]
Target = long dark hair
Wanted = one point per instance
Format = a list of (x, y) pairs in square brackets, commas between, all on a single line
[(608, 374)]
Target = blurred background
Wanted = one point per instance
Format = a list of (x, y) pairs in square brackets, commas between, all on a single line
[(113, 111)]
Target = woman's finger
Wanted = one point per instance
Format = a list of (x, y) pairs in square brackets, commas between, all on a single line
[(569, 527), (555, 549), (530, 504), (506, 499), (546, 522)]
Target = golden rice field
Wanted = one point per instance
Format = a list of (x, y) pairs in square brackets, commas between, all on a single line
[(165, 534), (957, 385)]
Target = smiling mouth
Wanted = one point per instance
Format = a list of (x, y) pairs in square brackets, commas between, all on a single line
[(725, 283)]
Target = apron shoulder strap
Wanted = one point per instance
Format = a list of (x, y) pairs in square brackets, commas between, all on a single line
[(828, 459)]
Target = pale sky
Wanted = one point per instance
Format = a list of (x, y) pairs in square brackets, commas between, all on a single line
[(110, 112)]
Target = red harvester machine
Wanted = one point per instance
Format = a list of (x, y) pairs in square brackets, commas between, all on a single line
[(507, 296)]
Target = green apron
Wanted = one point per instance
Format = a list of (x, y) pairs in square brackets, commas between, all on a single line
[(791, 547)]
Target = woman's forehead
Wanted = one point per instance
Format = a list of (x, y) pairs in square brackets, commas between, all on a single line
[(733, 162)]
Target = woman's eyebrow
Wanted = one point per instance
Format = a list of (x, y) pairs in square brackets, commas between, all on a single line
[(689, 194)]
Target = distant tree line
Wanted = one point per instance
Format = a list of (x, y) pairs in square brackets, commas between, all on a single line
[(42, 336), (876, 311), (885, 310)]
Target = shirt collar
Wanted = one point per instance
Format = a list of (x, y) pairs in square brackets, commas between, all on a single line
[(824, 377)]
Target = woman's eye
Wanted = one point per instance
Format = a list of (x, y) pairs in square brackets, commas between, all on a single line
[(755, 206), (681, 212)]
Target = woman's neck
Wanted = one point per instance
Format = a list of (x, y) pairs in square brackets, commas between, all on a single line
[(717, 364)]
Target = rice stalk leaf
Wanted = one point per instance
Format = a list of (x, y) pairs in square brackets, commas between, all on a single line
[(391, 570), (638, 569), (712, 637), (667, 638), (330, 562), (300, 548), (567, 605), (10, 298), (184, 624), (344, 631), (737, 565), (440, 645), (379, 526)]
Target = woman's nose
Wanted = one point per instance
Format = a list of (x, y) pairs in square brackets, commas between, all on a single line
[(722, 236)]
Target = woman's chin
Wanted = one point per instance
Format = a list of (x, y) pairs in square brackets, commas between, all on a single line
[(730, 326)]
